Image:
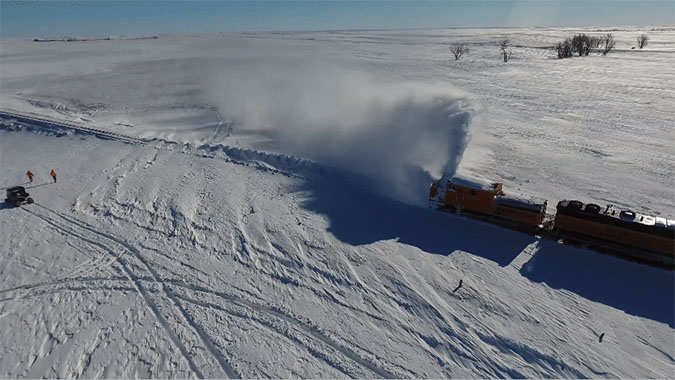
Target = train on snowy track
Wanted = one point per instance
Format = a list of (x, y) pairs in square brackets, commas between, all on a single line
[(624, 233)]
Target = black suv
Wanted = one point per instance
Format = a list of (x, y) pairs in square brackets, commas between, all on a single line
[(18, 196)]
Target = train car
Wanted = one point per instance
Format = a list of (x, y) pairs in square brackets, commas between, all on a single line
[(639, 237), (486, 201)]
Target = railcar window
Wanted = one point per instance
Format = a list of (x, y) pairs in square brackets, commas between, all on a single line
[(472, 192)]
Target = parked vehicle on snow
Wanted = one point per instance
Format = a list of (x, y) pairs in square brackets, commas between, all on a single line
[(18, 196)]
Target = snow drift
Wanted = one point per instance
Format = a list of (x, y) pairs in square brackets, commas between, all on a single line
[(399, 135)]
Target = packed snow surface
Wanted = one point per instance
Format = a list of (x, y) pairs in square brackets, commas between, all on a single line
[(472, 183), (254, 206)]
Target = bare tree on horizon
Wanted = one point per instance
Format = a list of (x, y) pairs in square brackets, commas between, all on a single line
[(607, 42), (458, 50), (505, 46)]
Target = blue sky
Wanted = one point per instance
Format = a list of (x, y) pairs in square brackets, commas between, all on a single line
[(23, 18)]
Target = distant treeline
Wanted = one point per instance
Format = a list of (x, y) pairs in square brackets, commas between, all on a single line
[(583, 44), (79, 39)]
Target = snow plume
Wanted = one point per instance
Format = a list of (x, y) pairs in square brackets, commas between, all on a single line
[(399, 135)]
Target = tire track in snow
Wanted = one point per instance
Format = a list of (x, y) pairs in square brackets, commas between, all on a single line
[(345, 351), (140, 289), (72, 227), (318, 354), (203, 336), (74, 285), (90, 267), (274, 312), (58, 282), (79, 284)]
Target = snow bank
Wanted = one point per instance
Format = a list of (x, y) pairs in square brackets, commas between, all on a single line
[(399, 135)]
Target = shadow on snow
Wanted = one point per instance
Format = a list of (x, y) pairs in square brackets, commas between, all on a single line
[(636, 289), (5, 205), (359, 217)]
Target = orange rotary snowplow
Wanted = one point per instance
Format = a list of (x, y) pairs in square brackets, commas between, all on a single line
[(487, 201)]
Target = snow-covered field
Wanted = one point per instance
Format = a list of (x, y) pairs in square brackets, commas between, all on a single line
[(272, 222)]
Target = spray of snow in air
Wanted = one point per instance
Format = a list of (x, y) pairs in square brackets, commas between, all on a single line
[(399, 135)]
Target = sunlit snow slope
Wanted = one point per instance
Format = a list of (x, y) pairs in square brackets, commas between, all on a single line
[(217, 246)]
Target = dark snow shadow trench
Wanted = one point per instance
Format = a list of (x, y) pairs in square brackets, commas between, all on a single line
[(637, 289), (358, 217)]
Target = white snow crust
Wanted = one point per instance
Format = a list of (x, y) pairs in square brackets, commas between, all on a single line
[(253, 223), (475, 183)]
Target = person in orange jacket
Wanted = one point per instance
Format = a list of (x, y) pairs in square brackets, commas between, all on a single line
[(30, 175), (53, 174)]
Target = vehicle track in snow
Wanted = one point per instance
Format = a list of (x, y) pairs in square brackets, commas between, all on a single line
[(321, 346), (74, 284), (134, 269), (311, 331), (123, 251)]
